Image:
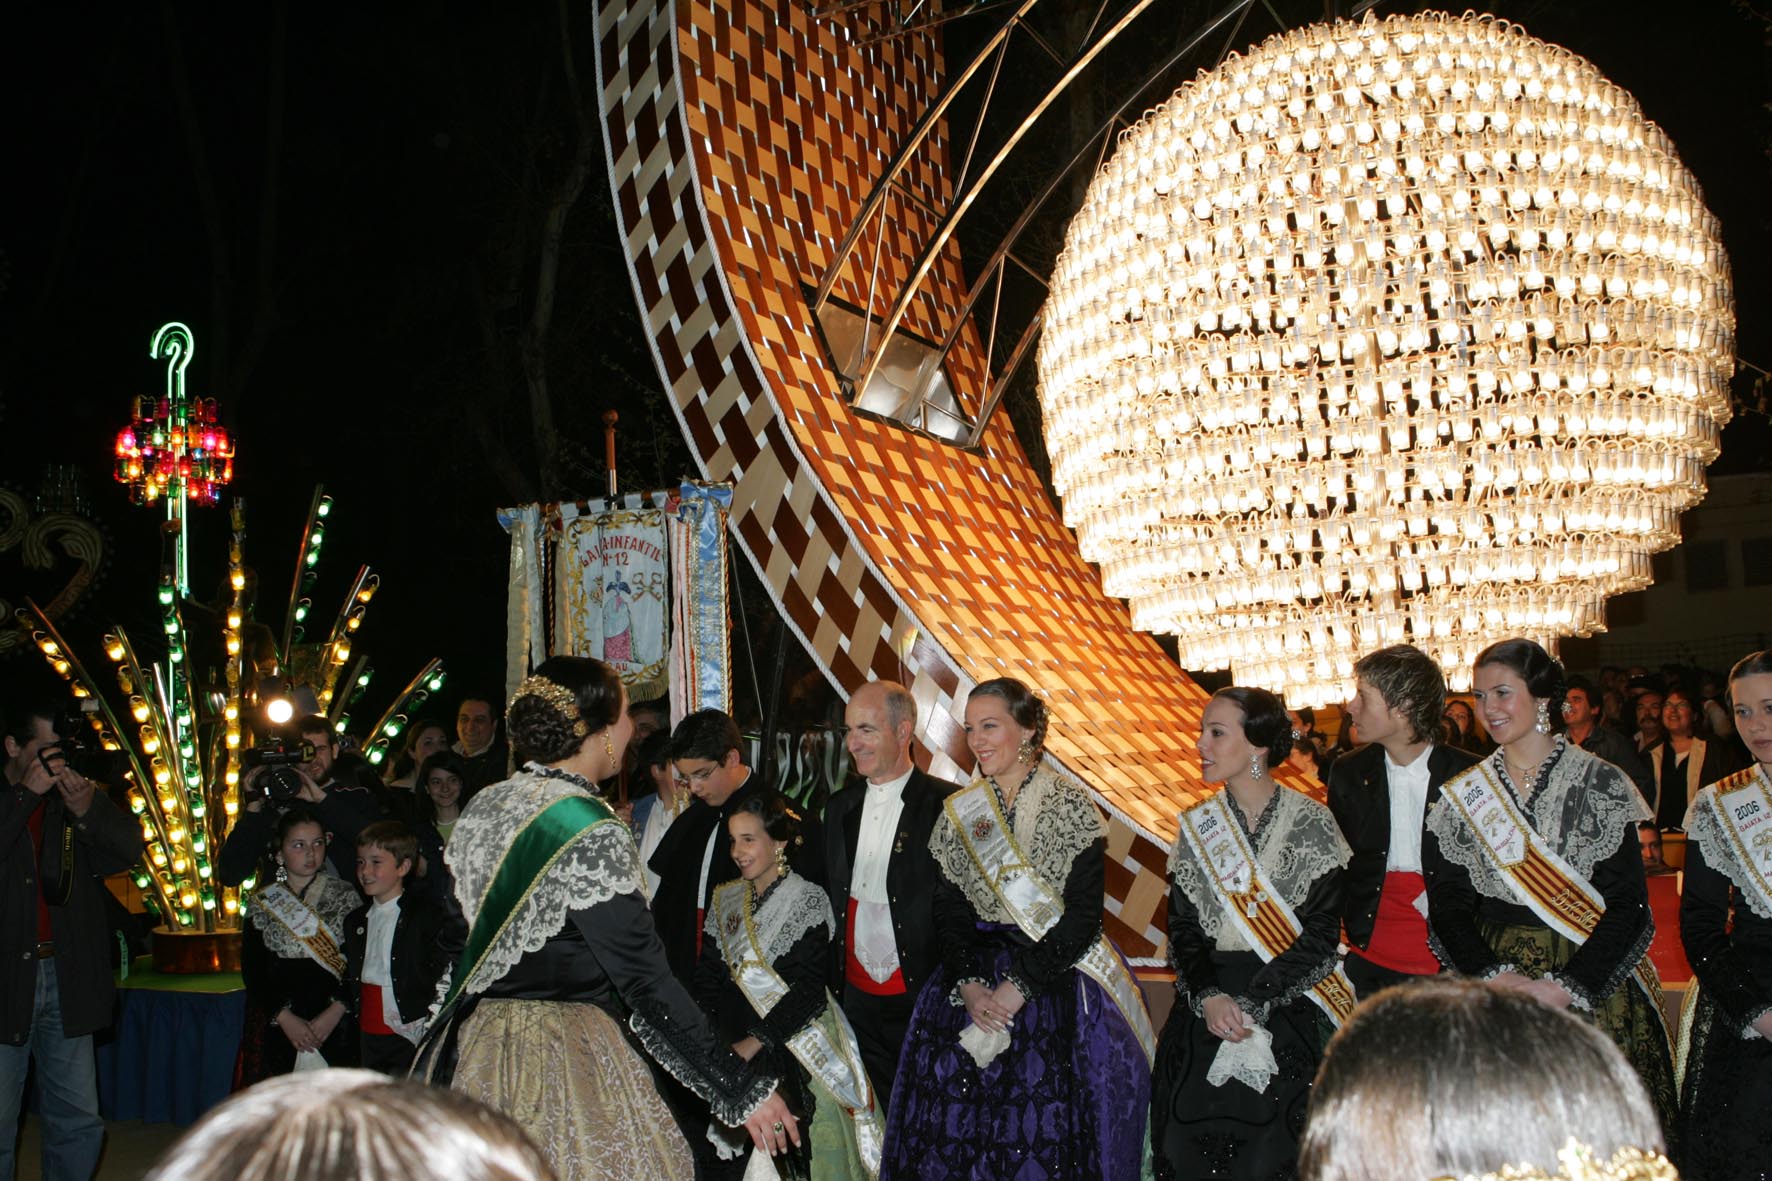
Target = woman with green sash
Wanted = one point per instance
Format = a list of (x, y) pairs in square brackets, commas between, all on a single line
[(1726, 926), (1535, 874), (762, 975), (563, 979)]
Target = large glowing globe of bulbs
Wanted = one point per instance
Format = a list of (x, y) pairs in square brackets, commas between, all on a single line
[(1411, 330)]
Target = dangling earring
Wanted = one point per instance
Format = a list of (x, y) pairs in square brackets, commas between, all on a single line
[(1027, 752), (609, 749), (1256, 770), (1543, 724), (282, 874), (781, 860)]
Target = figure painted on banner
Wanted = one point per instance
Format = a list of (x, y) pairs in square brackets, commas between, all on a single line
[(59, 838), (1685, 759), (618, 623), (1726, 927), (762, 977), (1380, 795), (1255, 901), (292, 959), (561, 955), (881, 877), (1535, 873), (1455, 1078), (1029, 1047)]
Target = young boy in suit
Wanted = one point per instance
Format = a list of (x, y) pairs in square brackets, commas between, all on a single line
[(397, 946)]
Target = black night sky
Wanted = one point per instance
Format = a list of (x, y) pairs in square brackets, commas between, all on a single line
[(345, 205)]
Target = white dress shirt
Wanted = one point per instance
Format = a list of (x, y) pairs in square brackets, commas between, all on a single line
[(1408, 792), (875, 944), (378, 962), (657, 820)]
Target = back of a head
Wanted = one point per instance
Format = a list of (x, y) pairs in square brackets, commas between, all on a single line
[(1456, 1078), (325, 1125)]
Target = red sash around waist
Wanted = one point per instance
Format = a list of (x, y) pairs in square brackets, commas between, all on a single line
[(1399, 930)]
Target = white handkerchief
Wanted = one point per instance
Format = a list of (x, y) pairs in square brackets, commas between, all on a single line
[(983, 1046), (309, 1060), (1250, 1061)]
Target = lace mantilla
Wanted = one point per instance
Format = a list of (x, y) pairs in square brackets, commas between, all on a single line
[(599, 864), (1053, 821), (1705, 827), (1582, 809), (330, 898), (792, 908), (1296, 842)]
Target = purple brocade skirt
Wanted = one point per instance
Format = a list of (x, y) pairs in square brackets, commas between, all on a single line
[(1069, 1098)]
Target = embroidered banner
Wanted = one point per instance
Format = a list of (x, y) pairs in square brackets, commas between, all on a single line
[(701, 629), (612, 593)]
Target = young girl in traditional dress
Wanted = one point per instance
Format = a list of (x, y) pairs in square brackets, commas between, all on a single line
[(1254, 919), (762, 977), (1726, 926), (291, 958)]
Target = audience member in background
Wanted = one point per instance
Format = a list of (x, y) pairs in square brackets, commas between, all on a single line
[(353, 771), (1535, 874), (1380, 795), (351, 1124), (563, 973), (397, 946), (1683, 761), (1726, 925), (650, 717), (1717, 719), (1307, 754), (762, 978), (292, 958), (881, 877), (442, 791), (423, 740), (1454, 1078), (341, 808), (483, 752), (1646, 704), (1581, 714), (1469, 736), (655, 811), (59, 837), (1616, 716)]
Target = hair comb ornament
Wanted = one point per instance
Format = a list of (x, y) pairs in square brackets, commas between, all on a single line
[(557, 697), (1580, 1164)]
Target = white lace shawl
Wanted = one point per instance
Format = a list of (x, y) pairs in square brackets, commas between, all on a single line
[(1582, 809), (332, 899), (793, 908), (1704, 827), (1296, 842), (1054, 820), (601, 863)]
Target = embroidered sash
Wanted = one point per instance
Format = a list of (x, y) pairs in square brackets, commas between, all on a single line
[(826, 1047), (1267, 922), (1744, 806), (525, 863), (1562, 899), (1033, 904), (308, 928)]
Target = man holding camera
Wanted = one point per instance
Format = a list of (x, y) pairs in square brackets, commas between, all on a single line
[(269, 789), (59, 837)]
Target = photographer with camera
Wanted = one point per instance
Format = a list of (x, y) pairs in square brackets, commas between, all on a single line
[(296, 766), (59, 837)]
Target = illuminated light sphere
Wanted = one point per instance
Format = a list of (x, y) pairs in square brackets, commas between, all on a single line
[(279, 710), (1411, 330)]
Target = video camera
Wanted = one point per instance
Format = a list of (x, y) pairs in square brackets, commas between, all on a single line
[(280, 756), (78, 751)]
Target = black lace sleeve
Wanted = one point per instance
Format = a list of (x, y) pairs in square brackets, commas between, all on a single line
[(956, 926), (1452, 914), (1312, 955), (1047, 961), (1704, 930), (802, 966), (670, 1027), (1190, 951), (1622, 936)]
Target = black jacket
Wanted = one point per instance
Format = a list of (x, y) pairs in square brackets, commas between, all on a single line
[(1359, 796), (427, 940), (104, 841), (911, 874), (345, 812)]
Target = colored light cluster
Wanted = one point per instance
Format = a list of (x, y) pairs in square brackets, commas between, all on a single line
[(172, 444)]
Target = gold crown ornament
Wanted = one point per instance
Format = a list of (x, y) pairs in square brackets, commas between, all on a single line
[(557, 697), (1579, 1164)]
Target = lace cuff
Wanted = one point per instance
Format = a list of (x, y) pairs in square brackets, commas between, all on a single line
[(1748, 1032), (733, 1093), (1318, 973), (1027, 992), (1579, 997), (1618, 975), (1197, 1001), (1499, 970), (955, 998)]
